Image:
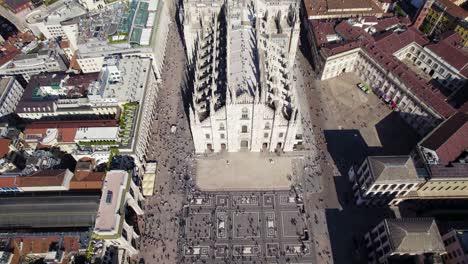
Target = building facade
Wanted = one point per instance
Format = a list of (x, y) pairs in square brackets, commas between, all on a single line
[(242, 93), (120, 202), (10, 94), (456, 245), (395, 240), (28, 65), (379, 179), (387, 65)]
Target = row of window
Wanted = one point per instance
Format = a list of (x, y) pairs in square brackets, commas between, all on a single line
[(453, 188), (244, 130), (391, 187), (455, 254), (222, 127)]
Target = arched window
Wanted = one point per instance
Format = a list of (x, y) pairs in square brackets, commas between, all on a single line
[(267, 125), (245, 113)]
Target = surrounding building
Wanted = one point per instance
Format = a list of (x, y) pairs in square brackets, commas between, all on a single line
[(15, 45), (50, 211), (123, 78), (85, 178), (50, 247), (243, 95), (47, 21), (437, 169), (407, 240), (10, 94), (72, 135), (440, 16), (17, 5), (93, 4), (380, 179), (443, 153), (456, 245), (118, 211), (41, 181), (59, 95), (415, 76), (27, 65), (126, 28), (331, 9)]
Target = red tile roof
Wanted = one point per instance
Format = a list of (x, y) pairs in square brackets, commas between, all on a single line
[(88, 180), (456, 170), (4, 146), (451, 50), (453, 9), (67, 129), (348, 32), (384, 24), (15, 4), (450, 139), (7, 181), (65, 135), (393, 42), (41, 245), (74, 123), (381, 49), (321, 30), (43, 178)]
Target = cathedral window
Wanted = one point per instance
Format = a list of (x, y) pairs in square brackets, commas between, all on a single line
[(245, 113)]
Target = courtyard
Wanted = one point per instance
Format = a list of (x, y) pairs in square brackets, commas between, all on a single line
[(245, 227), (346, 107)]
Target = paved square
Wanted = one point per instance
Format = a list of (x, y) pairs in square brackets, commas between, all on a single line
[(244, 171), (246, 224), (245, 227), (197, 225), (293, 225), (268, 200)]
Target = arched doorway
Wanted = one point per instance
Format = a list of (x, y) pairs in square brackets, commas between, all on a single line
[(244, 144)]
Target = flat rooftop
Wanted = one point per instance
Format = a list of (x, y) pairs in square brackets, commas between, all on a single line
[(115, 187), (57, 12), (244, 171), (97, 133), (50, 211)]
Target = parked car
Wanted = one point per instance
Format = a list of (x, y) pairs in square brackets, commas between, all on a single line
[(364, 88)]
